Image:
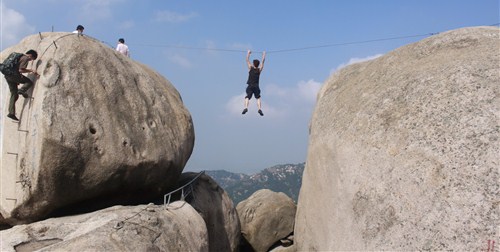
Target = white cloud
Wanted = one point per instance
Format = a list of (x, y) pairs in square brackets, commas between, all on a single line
[(241, 46), (308, 90), (355, 60), (305, 91), (278, 101), (236, 104), (13, 26), (92, 10), (180, 60), (126, 25), (275, 90), (173, 17), (211, 46)]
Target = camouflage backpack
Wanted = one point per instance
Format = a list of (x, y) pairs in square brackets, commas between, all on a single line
[(11, 64)]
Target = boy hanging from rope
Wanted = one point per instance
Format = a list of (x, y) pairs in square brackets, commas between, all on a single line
[(253, 81)]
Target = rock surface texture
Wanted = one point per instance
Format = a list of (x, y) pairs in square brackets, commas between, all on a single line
[(119, 228), (266, 217), (404, 150), (217, 209), (99, 125)]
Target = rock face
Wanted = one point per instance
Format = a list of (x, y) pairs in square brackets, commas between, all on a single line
[(119, 228), (266, 217), (218, 211), (99, 125), (404, 150)]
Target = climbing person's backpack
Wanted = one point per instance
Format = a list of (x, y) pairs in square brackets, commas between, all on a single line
[(10, 64)]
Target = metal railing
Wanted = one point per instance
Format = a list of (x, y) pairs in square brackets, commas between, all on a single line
[(185, 190)]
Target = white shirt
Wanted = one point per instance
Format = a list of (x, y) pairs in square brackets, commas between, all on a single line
[(122, 48)]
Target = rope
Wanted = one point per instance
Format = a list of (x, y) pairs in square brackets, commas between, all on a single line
[(121, 223), (349, 43), (191, 48), (268, 52), (54, 42), (285, 50), (58, 38), (294, 49)]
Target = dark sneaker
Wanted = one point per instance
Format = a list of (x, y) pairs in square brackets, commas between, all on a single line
[(244, 111), (23, 93), (260, 112), (13, 117)]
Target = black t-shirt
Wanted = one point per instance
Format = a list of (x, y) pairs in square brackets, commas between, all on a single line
[(253, 76)]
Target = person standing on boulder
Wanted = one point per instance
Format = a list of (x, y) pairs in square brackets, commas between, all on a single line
[(253, 81), (13, 68), (122, 48)]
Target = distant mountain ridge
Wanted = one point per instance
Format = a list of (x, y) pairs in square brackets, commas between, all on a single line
[(286, 178)]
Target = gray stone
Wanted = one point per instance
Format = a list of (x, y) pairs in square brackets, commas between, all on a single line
[(266, 217), (99, 125), (119, 228), (284, 249), (218, 211), (404, 150)]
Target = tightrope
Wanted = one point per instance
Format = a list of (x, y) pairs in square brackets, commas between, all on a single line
[(293, 49), (286, 50)]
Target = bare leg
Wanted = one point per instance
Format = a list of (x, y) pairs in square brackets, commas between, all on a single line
[(246, 102), (259, 106), (245, 110)]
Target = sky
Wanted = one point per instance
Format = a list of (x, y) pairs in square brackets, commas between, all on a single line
[(200, 47)]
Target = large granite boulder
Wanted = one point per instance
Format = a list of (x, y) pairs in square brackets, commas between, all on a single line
[(119, 228), (99, 125), (404, 150), (266, 217), (216, 208)]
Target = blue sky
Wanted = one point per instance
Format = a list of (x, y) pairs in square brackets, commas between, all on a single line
[(212, 82)]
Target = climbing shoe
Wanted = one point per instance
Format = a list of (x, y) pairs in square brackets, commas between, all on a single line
[(13, 117), (244, 111), (23, 93), (260, 112)]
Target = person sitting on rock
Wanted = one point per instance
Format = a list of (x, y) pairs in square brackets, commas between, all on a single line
[(79, 30), (16, 77), (253, 81)]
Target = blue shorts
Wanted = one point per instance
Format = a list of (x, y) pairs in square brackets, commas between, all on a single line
[(255, 90)]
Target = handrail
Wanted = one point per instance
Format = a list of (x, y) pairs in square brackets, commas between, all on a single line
[(184, 194)]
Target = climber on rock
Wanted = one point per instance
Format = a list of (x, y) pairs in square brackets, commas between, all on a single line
[(13, 68)]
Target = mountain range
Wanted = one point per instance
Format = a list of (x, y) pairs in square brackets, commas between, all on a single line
[(286, 178)]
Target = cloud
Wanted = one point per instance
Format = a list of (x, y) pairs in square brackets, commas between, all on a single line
[(241, 46), (173, 17), (279, 101), (126, 25), (13, 26), (355, 60), (236, 103), (210, 46), (92, 10), (180, 60), (308, 90), (304, 91)]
